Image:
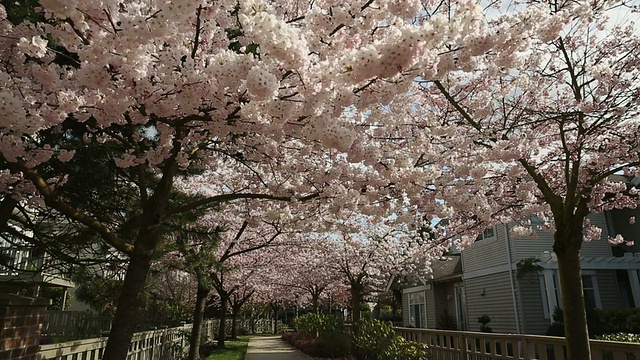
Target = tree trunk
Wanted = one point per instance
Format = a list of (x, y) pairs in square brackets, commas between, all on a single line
[(198, 315), (128, 309), (234, 323), (315, 299), (356, 297), (275, 308), (222, 334), (575, 317), (397, 299), (6, 209)]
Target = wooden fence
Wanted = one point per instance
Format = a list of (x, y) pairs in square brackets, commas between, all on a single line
[(74, 324), (163, 344), (465, 345), (84, 325)]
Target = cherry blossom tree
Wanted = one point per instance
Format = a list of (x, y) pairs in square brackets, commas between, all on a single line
[(172, 288), (366, 254), (228, 258), (538, 133), (178, 87), (305, 269)]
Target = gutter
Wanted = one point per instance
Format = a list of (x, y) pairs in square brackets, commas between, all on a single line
[(513, 287)]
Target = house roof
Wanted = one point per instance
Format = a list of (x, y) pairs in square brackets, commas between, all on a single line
[(446, 268), (443, 269)]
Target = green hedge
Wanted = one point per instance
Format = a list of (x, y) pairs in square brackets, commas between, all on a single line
[(602, 321), (324, 336), (624, 337)]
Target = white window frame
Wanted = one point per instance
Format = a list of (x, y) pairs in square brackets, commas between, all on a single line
[(552, 295), (420, 299), (483, 237)]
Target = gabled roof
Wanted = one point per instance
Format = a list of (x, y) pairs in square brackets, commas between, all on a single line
[(443, 269), (446, 268)]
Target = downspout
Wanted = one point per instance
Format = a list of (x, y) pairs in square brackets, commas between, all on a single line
[(513, 286)]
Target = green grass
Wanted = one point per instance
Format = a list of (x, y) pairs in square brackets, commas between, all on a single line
[(236, 350)]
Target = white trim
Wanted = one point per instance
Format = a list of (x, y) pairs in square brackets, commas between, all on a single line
[(389, 283), (629, 261), (550, 286), (545, 300), (634, 280), (461, 319), (422, 306), (596, 290), (489, 239), (416, 289), (552, 302)]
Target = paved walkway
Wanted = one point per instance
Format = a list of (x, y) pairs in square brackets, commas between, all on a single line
[(272, 348)]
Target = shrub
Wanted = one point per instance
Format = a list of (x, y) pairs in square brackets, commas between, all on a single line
[(620, 320), (624, 337), (401, 349), (371, 338), (315, 324), (319, 336), (602, 321), (484, 320), (376, 340)]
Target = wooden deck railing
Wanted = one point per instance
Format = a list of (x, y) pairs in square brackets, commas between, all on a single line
[(465, 345)]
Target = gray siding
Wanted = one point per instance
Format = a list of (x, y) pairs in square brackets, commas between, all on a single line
[(600, 247), (486, 253), (532, 308), (431, 310), (608, 288), (440, 303), (527, 247), (496, 302), (405, 310)]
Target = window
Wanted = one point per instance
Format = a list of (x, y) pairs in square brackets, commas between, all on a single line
[(488, 233), (417, 310), (552, 296), (589, 287)]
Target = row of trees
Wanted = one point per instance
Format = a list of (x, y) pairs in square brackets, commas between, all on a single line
[(158, 128)]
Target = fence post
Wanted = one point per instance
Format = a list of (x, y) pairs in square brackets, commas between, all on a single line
[(20, 335)]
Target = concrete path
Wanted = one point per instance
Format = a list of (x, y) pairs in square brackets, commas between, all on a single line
[(272, 348)]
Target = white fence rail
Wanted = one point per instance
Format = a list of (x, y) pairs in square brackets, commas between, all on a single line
[(163, 344), (465, 345)]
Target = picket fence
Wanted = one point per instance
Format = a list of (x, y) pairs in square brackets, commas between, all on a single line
[(162, 344)]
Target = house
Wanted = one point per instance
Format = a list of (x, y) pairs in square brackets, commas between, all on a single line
[(514, 280), (26, 266), (25, 269)]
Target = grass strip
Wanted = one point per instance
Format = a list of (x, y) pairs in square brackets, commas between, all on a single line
[(235, 350)]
